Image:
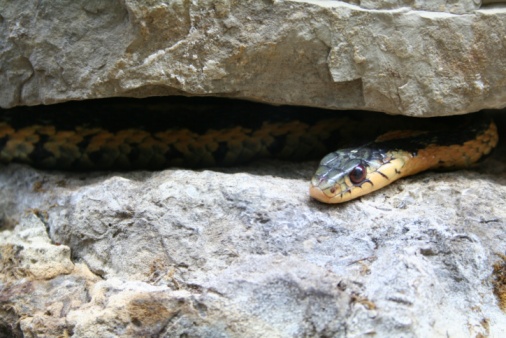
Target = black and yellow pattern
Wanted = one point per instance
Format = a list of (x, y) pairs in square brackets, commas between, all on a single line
[(158, 133), (155, 134)]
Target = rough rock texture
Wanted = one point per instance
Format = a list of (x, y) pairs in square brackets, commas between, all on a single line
[(419, 58), (457, 7), (243, 252)]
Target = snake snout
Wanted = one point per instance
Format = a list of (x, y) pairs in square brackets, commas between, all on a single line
[(318, 194), (324, 190)]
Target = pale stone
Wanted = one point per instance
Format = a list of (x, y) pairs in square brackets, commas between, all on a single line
[(419, 58), (245, 252), (457, 7), (31, 251)]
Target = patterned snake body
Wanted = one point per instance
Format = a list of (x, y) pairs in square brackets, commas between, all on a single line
[(105, 135), (153, 141)]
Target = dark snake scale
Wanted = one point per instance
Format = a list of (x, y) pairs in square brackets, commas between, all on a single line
[(154, 134)]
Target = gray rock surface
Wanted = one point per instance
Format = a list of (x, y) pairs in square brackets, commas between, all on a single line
[(419, 58), (244, 252), (457, 7)]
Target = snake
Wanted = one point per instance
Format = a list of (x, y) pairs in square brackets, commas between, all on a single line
[(153, 134), (349, 173)]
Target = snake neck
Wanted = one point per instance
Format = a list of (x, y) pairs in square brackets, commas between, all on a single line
[(446, 150)]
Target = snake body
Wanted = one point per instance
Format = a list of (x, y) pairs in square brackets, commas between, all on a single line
[(129, 137), (112, 135), (349, 173)]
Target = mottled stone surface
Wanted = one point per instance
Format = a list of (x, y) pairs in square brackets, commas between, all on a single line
[(419, 58), (244, 252), (457, 7)]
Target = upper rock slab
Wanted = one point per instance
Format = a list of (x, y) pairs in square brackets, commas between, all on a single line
[(419, 58)]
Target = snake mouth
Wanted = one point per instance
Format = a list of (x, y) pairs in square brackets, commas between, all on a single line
[(318, 194)]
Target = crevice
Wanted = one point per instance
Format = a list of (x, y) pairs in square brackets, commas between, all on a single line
[(489, 4)]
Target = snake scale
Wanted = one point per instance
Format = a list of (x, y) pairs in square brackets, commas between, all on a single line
[(157, 133)]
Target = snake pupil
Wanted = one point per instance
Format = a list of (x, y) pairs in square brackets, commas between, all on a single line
[(357, 174)]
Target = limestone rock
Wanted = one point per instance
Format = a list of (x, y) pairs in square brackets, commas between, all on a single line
[(245, 252), (31, 252), (419, 58), (458, 7)]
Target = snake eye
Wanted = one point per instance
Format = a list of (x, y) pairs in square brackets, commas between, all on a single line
[(357, 174)]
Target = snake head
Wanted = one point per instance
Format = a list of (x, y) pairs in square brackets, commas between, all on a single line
[(349, 173)]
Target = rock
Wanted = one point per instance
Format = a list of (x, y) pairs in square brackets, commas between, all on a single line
[(245, 252), (30, 250), (39, 284), (457, 7), (415, 58)]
